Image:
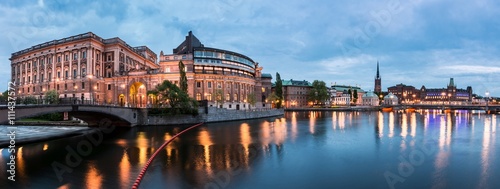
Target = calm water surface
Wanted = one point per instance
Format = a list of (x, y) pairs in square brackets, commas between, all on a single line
[(301, 150)]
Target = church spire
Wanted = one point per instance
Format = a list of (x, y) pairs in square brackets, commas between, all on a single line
[(378, 72)]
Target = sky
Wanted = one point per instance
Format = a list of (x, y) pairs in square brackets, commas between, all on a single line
[(417, 42)]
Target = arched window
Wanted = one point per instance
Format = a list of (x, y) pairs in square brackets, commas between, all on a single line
[(198, 96)]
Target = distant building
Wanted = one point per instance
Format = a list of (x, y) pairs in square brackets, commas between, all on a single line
[(450, 94), (391, 99), (295, 93), (342, 94), (378, 81), (370, 99), (405, 93)]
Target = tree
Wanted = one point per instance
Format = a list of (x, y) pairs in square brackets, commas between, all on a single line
[(4, 96), (183, 83), (218, 95), (171, 96), (29, 100), (319, 93), (251, 99), (279, 90), (355, 96), (52, 97)]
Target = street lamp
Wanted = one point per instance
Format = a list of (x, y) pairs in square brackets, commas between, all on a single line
[(414, 98)]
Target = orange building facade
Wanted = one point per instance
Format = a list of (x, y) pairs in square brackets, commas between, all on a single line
[(88, 68)]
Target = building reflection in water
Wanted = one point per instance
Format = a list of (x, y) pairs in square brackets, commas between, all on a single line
[(442, 157), (143, 145), (380, 125), (93, 179), (206, 142), (391, 124), (294, 126), (488, 148), (246, 140), (312, 122), (413, 124), (124, 167)]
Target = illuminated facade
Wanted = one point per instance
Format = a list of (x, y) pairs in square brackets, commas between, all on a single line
[(87, 67), (295, 93), (451, 94)]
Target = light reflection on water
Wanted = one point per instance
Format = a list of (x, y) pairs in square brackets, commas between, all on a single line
[(313, 149)]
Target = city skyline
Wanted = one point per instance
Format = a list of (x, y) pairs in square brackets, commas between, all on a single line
[(416, 43)]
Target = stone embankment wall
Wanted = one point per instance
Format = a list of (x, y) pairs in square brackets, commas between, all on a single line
[(213, 115)]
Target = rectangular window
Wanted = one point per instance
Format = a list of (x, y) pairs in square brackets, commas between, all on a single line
[(66, 58), (84, 54), (74, 73), (83, 85), (198, 84), (34, 79), (66, 74), (57, 86), (50, 76), (97, 86), (209, 84), (219, 85), (75, 56), (65, 86), (58, 74), (109, 87)]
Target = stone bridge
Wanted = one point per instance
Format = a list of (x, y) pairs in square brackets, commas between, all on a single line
[(92, 114)]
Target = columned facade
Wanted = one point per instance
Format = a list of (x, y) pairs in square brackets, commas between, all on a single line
[(86, 68)]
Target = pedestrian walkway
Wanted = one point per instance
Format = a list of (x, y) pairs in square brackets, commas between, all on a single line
[(29, 134)]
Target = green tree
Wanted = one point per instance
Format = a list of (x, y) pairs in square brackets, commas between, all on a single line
[(4, 96), (279, 90), (219, 97), (251, 99), (355, 96), (52, 97), (183, 83), (171, 96), (29, 100), (319, 93)]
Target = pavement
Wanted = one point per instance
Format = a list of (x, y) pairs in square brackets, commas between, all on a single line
[(31, 134)]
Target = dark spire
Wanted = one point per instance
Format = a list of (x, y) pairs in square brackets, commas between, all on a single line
[(378, 72)]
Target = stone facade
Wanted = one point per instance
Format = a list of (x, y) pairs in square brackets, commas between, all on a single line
[(87, 67)]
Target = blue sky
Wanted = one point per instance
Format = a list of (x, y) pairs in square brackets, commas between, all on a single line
[(417, 42)]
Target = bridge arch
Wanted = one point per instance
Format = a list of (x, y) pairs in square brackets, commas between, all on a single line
[(119, 116)]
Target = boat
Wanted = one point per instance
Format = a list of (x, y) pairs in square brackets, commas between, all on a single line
[(410, 110), (387, 109)]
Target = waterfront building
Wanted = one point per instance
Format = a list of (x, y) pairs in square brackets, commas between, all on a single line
[(295, 93), (391, 99), (370, 99), (378, 81), (87, 67), (342, 96), (451, 94), (405, 93)]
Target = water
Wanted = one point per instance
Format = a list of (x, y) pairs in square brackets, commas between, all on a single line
[(302, 150)]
